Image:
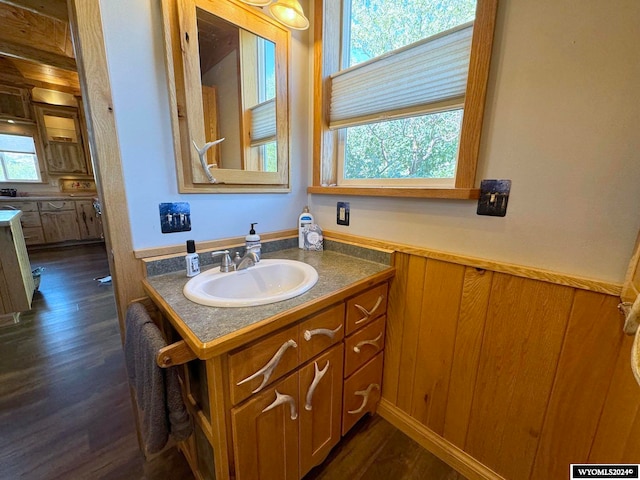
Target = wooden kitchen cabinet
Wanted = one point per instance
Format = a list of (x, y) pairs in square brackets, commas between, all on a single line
[(30, 220), (62, 138), (88, 222), (59, 220), (56, 220)]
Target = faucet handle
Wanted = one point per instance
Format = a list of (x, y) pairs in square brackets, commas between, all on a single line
[(226, 265)]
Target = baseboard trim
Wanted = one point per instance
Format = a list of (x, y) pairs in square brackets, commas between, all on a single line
[(434, 443)]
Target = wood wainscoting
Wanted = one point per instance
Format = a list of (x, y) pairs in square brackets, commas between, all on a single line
[(499, 373)]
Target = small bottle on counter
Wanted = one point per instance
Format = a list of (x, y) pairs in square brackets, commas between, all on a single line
[(192, 259), (304, 220)]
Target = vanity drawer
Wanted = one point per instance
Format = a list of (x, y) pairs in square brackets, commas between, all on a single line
[(361, 392), (260, 364), (363, 345), (320, 331), (363, 308), (24, 206), (56, 205)]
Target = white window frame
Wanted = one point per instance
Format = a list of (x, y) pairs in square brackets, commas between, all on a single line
[(25, 131)]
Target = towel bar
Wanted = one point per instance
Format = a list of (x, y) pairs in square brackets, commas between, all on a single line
[(175, 354)]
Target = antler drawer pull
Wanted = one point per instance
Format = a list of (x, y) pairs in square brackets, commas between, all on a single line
[(321, 331), (316, 380), (373, 343), (268, 369), (280, 399), (365, 394), (367, 314)]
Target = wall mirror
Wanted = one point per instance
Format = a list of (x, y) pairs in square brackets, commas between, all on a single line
[(227, 66)]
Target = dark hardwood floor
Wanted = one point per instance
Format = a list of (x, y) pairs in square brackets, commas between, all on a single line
[(65, 411)]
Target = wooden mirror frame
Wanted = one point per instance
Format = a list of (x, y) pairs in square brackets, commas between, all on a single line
[(185, 95)]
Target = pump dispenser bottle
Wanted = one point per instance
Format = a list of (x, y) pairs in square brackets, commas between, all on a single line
[(192, 259), (252, 240), (304, 220)]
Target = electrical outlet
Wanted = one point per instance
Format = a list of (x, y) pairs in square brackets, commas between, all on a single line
[(342, 215)]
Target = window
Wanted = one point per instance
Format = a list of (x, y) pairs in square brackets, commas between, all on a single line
[(401, 97), (18, 160)]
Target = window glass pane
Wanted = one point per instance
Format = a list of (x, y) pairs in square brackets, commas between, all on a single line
[(16, 143), (18, 158), (267, 67), (21, 166), (380, 26), (270, 152), (417, 147)]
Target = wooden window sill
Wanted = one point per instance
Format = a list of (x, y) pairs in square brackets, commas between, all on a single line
[(413, 192)]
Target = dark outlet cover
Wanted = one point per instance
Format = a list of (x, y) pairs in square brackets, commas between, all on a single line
[(494, 195)]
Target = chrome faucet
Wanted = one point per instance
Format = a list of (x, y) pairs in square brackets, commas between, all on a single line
[(226, 264), (251, 257)]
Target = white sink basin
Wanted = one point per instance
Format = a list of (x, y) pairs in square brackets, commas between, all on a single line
[(268, 281)]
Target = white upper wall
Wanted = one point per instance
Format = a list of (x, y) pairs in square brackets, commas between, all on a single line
[(135, 53), (562, 120)]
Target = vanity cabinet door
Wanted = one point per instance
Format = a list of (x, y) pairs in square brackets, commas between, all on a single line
[(320, 407), (266, 433), (363, 308)]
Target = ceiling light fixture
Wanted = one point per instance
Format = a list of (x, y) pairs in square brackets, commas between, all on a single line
[(290, 14), (257, 3)]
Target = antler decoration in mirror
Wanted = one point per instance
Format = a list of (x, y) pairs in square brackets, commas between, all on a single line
[(202, 153)]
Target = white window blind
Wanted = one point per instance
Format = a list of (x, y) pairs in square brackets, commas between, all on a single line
[(263, 122), (416, 79)]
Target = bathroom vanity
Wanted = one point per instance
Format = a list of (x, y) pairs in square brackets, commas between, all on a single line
[(274, 387)]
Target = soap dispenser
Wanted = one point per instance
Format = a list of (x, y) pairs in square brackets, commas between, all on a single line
[(252, 240)]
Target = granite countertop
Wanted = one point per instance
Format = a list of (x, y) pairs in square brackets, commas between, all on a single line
[(212, 326), (52, 196)]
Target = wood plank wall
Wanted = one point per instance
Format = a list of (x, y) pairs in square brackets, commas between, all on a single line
[(524, 375)]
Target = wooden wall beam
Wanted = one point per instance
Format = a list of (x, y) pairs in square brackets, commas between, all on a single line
[(25, 52)]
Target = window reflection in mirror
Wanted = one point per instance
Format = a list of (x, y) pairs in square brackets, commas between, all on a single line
[(238, 93)]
